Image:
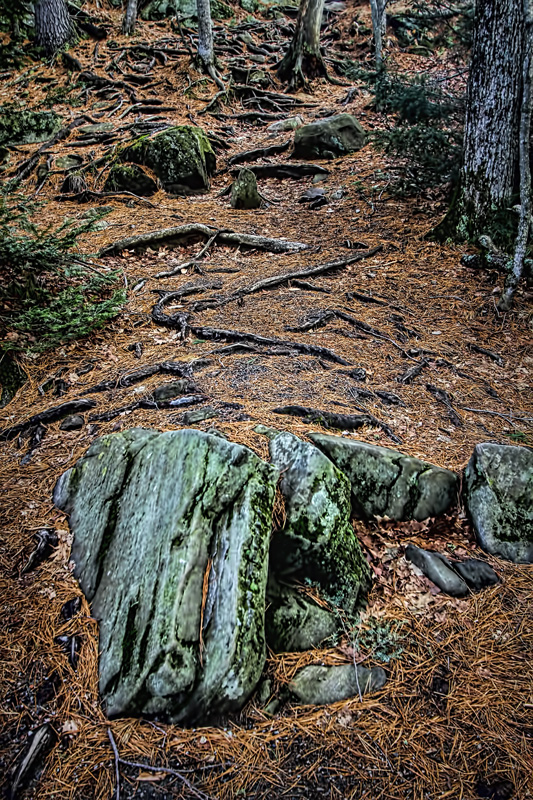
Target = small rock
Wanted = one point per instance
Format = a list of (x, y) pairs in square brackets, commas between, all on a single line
[(358, 374), (311, 194), (199, 415), (244, 192), (97, 127), (318, 685), (438, 569), (338, 194), (289, 124), (319, 177), (72, 423), (167, 391), (478, 574), (68, 162)]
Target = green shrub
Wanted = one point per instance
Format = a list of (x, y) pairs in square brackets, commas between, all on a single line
[(48, 294)]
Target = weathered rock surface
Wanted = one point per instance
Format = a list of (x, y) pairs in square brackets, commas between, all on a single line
[(244, 192), (181, 157), (387, 483), (456, 578), (318, 685), (499, 498), (329, 138), (294, 623), (318, 541), (160, 9), (171, 534), (130, 178), (289, 124), (21, 126), (72, 423), (172, 389)]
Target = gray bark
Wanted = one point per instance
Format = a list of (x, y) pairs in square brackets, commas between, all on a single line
[(130, 17), (206, 52), (494, 96), (303, 59), (524, 223), (53, 26), (379, 25)]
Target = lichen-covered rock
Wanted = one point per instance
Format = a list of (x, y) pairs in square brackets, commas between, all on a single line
[(181, 157), (387, 483), (21, 126), (318, 541), (329, 138), (161, 9), (171, 534), (499, 498), (293, 622), (319, 685), (130, 178), (244, 192)]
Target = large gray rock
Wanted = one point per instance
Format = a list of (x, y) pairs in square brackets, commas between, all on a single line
[(171, 534), (387, 483), (499, 498), (318, 685), (329, 138), (181, 157), (318, 541)]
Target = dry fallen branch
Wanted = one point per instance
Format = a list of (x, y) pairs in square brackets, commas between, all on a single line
[(168, 235)]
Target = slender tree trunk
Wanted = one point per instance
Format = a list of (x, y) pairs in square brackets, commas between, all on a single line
[(303, 59), (492, 122), (379, 26), (524, 224), (206, 53), (53, 26), (130, 18)]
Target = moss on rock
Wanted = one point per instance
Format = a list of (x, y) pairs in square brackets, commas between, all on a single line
[(181, 157), (130, 178), (22, 126)]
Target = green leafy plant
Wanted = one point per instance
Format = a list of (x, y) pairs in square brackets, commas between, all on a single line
[(49, 294)]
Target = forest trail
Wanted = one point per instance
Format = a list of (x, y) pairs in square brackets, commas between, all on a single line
[(443, 370)]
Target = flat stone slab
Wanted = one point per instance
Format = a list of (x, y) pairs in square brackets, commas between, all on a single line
[(171, 536), (499, 499), (387, 483), (320, 685)]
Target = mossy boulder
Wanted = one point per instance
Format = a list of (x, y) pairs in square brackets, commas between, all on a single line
[(387, 483), (329, 138), (499, 499), (161, 9), (181, 157), (171, 534), (244, 192), (22, 126), (318, 542), (130, 178)]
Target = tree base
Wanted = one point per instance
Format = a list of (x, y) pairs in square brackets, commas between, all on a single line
[(299, 67)]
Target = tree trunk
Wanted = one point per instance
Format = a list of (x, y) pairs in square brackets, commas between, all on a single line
[(303, 59), (524, 223), (206, 53), (489, 178), (53, 26), (130, 18), (379, 25)]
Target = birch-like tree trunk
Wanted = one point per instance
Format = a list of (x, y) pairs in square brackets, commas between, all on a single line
[(492, 122), (379, 26), (206, 53), (130, 18), (53, 26), (303, 59)]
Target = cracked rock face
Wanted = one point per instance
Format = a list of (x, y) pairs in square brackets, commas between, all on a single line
[(319, 685), (499, 498), (171, 535), (387, 483), (318, 541)]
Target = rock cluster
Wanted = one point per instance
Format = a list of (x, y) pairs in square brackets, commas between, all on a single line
[(173, 548)]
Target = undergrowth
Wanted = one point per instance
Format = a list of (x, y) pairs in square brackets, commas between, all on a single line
[(49, 294)]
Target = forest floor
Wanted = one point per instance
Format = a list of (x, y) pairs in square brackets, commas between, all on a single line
[(454, 719)]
